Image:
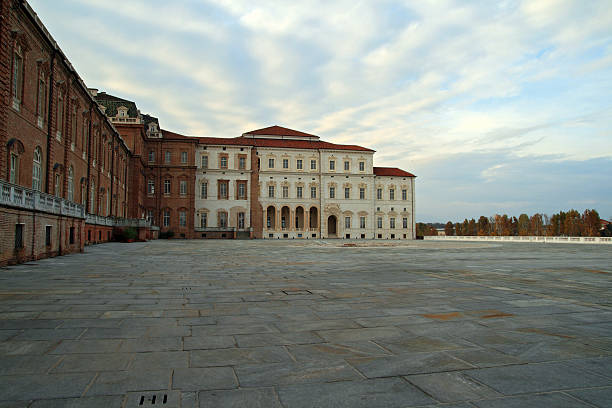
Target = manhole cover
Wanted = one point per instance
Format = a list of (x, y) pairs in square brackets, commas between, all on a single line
[(165, 399)]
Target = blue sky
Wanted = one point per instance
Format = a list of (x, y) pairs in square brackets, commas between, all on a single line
[(497, 107)]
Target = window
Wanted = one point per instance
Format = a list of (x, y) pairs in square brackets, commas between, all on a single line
[(242, 191), (37, 170), (361, 166), (332, 165), (182, 218), (404, 195), (271, 191), (41, 103), (183, 157), (223, 162), (203, 220), (204, 162), (58, 185), (166, 218), (150, 215), (405, 222), (223, 189), (379, 222), (92, 198), (167, 186), (379, 194), (83, 193), (332, 192), (347, 222), (271, 163), (242, 163), (347, 193), (73, 133), (392, 222), (285, 192), (71, 236), (60, 117), (167, 157), (285, 163), (347, 166), (85, 137), (223, 220), (391, 194), (241, 220), (204, 190), (313, 192), (14, 168), (313, 165), (362, 193), (299, 192), (19, 236), (151, 186), (70, 183), (298, 164), (17, 85), (362, 222), (48, 235), (183, 187)]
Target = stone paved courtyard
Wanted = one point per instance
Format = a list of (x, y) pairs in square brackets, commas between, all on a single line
[(309, 324)]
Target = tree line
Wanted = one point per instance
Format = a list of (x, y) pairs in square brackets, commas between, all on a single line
[(570, 223)]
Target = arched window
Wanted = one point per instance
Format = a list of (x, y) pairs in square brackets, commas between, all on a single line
[(70, 183), (37, 170), (58, 185)]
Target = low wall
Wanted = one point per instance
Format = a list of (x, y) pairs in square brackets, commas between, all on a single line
[(548, 240)]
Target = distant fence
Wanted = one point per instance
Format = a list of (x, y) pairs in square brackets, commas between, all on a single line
[(552, 240)]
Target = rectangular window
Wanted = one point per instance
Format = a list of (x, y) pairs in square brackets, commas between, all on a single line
[(204, 162), (40, 109), (203, 220), (166, 218), (332, 192), (404, 195), (183, 157), (313, 192), (392, 222), (151, 186), (48, 235), (151, 216), (347, 222), (183, 187), (223, 220), (167, 157), (299, 192), (361, 166), (166, 186), (332, 165), (299, 164), (241, 220), (182, 218), (347, 193), (71, 236), (18, 236), (17, 80), (271, 163), (313, 165), (391, 194), (242, 163), (347, 166), (60, 117), (14, 166), (379, 194), (405, 222), (223, 189), (242, 191), (204, 190), (285, 163), (224, 162), (362, 193), (362, 222), (271, 191), (379, 222), (285, 192)]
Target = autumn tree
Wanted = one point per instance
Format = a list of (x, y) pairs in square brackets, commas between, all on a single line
[(591, 223), (483, 226), (449, 229), (572, 223), (458, 229), (523, 225), (536, 225), (473, 230)]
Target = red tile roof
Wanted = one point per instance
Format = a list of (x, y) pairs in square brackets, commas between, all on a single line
[(278, 131), (391, 171)]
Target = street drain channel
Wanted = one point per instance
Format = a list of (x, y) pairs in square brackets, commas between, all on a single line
[(165, 399), (297, 292)]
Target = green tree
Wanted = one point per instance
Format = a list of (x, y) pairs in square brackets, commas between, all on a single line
[(523, 225)]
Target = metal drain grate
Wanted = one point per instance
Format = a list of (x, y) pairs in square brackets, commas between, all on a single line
[(165, 399)]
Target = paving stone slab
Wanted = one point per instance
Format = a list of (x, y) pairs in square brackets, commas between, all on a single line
[(26, 364), (208, 342), (87, 346), (373, 333), (268, 339), (93, 362), (121, 382), (600, 397), (84, 402), (42, 386), (151, 344), (332, 351), (198, 379), (239, 356), (159, 360), (267, 375), (452, 387), (407, 364), (240, 398), (383, 393), (556, 400)]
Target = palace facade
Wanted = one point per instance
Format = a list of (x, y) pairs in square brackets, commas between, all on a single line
[(79, 166)]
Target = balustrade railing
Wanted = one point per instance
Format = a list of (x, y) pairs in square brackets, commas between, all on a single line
[(573, 240), (22, 197)]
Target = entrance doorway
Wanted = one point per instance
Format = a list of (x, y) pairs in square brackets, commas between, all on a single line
[(332, 226)]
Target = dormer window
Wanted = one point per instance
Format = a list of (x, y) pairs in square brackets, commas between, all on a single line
[(122, 112)]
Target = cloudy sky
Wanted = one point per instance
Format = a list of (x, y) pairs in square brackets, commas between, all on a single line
[(497, 107)]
